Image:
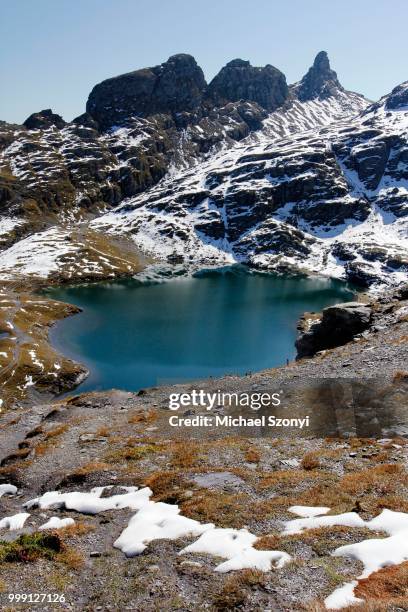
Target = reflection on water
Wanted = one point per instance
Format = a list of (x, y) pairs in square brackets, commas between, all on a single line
[(133, 335)]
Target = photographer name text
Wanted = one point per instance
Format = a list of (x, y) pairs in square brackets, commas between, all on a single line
[(239, 421)]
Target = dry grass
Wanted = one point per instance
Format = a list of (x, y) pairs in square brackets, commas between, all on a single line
[(71, 557), (130, 453), (310, 461), (236, 589), (103, 432), (388, 583), (400, 375), (168, 487), (252, 455), (223, 509), (57, 431), (287, 478), (185, 454), (383, 479), (90, 468), (79, 529), (143, 416)]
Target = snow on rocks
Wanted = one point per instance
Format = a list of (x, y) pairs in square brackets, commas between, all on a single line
[(159, 520), (343, 596), (7, 224), (56, 523), (156, 521), (374, 553), (308, 511), (348, 519), (7, 489), (92, 502), (38, 255), (14, 522), (237, 547), (288, 196)]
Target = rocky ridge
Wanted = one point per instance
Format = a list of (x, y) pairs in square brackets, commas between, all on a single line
[(140, 130), (330, 200)]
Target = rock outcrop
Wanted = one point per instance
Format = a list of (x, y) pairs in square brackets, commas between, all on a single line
[(238, 80), (44, 120), (337, 326), (320, 81), (176, 86)]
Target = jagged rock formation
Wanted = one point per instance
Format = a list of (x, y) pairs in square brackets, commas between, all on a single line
[(44, 120), (238, 80), (243, 169), (319, 82), (176, 86), (331, 200)]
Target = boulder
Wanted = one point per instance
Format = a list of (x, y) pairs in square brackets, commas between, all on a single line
[(338, 325)]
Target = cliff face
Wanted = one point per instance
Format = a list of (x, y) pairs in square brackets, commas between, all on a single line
[(238, 80)]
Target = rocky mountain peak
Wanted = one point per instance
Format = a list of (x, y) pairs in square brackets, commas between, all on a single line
[(43, 120), (320, 81), (175, 86), (239, 80), (398, 98)]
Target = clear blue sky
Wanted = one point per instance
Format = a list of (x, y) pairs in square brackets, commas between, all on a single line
[(54, 51)]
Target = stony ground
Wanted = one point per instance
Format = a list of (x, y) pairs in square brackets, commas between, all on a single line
[(231, 478), (116, 439)]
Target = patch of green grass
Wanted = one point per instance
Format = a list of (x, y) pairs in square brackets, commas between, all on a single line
[(30, 547)]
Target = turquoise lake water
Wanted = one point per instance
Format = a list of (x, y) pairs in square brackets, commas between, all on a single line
[(133, 335)]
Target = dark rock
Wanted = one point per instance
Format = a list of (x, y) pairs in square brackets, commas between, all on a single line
[(320, 81), (370, 162), (43, 120), (360, 274), (398, 98), (338, 325), (238, 80), (173, 87)]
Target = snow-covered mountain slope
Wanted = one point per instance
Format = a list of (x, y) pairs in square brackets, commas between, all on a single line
[(245, 169), (331, 200)]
